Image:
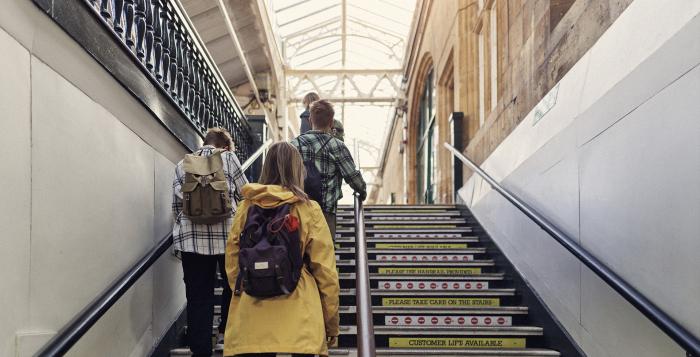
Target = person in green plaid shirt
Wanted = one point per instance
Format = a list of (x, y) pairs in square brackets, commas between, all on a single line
[(332, 159)]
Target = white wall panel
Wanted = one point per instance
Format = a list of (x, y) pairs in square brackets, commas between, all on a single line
[(169, 298), (91, 177), (640, 198), (622, 176), (15, 180), (92, 197)]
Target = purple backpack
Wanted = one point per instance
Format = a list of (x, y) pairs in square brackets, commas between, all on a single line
[(270, 258)]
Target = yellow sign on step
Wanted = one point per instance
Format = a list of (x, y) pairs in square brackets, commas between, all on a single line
[(455, 342), (337, 245), (449, 302), (421, 245), (406, 226), (429, 271)]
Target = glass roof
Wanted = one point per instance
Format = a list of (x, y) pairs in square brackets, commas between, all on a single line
[(351, 34), (350, 52)]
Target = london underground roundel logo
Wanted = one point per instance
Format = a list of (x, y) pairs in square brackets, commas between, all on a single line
[(501, 321), (455, 285), (387, 285), (434, 320), (468, 285), (460, 320), (433, 285), (398, 285), (448, 320), (421, 285), (394, 320), (409, 285), (479, 285), (445, 286), (421, 320), (474, 321), (487, 320), (408, 320)]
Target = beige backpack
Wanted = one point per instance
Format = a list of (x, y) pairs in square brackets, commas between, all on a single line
[(205, 190)]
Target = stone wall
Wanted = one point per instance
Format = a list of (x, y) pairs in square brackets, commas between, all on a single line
[(528, 55)]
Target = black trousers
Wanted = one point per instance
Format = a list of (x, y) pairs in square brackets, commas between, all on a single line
[(200, 280)]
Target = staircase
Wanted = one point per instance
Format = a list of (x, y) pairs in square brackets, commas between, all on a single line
[(436, 289)]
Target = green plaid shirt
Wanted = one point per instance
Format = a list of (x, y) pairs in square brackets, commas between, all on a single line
[(334, 163)]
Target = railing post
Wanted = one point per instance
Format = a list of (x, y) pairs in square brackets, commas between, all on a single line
[(365, 326)]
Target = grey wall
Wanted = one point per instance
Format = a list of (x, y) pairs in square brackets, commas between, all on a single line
[(86, 173), (616, 164)]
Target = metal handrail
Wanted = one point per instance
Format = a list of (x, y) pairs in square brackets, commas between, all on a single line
[(249, 162), (363, 298), (81, 323), (661, 319)]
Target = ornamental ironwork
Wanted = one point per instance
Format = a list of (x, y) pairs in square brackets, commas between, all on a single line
[(161, 40)]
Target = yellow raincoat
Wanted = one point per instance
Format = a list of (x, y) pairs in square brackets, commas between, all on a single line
[(296, 323)]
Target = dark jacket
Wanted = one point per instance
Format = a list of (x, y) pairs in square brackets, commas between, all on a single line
[(305, 123)]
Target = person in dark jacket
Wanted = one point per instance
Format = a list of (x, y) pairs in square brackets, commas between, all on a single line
[(337, 130)]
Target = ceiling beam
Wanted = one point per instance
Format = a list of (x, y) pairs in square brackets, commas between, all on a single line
[(241, 55), (341, 71), (387, 100), (344, 30)]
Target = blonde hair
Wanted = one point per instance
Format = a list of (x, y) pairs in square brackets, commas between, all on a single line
[(310, 98), (284, 167), (321, 114), (219, 138)]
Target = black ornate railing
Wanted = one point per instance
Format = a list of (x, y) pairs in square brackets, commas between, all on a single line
[(161, 40), (689, 342)]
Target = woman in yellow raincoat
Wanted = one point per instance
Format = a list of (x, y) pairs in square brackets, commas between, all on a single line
[(305, 321)]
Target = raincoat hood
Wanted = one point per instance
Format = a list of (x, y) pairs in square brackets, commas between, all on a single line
[(268, 196)]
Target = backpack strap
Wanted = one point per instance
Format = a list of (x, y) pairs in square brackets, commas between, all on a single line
[(322, 146)]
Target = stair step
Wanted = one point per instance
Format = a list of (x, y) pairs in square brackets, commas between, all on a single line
[(477, 352), (415, 243), (409, 230), (447, 320), (383, 292), (474, 263), (430, 263), (495, 310), (458, 331), (370, 251), (401, 207), (422, 258), (375, 219), (425, 285), (376, 276), (406, 221)]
